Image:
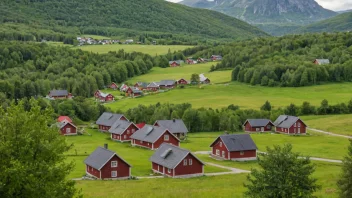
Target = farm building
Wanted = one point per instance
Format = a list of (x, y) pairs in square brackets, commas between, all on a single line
[(290, 125), (167, 84), (191, 61), (201, 60), (59, 94), (67, 128), (172, 161), (123, 88), (141, 85), (106, 164), (321, 61), (175, 63), (152, 137), (106, 120), (203, 79), (122, 130), (133, 92), (216, 58), (258, 125), (182, 81), (113, 86), (175, 126), (64, 119), (103, 97), (237, 147), (153, 86)]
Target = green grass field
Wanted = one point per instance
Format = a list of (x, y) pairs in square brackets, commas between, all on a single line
[(147, 49), (340, 124)]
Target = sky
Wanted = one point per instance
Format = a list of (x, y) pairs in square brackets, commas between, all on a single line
[(329, 4)]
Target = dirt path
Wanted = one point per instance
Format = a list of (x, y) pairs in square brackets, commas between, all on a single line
[(329, 133), (233, 170)]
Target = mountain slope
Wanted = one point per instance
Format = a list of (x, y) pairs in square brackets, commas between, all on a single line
[(271, 12), (141, 15), (340, 23)]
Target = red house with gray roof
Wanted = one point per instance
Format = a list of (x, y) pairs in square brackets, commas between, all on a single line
[(67, 128), (106, 120), (172, 161), (175, 126), (122, 130), (290, 125), (258, 125), (106, 164), (113, 86), (237, 147)]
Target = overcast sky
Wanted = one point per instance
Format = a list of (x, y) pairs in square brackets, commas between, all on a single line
[(329, 4)]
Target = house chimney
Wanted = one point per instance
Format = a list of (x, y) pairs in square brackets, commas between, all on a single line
[(174, 120), (106, 146)]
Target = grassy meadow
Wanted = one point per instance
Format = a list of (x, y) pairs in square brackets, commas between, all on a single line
[(340, 124)]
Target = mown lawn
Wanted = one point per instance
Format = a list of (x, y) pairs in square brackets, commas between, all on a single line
[(340, 124), (147, 49)]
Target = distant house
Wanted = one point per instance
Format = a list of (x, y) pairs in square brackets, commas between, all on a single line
[(123, 88), (133, 92), (141, 85), (321, 61), (258, 125), (114, 86), (64, 119), (290, 125), (191, 61), (152, 137), (106, 164), (175, 126), (153, 86), (172, 161), (106, 120), (201, 60), (59, 94), (175, 63), (129, 41), (97, 94), (67, 128), (216, 58), (203, 79), (167, 84), (103, 97), (122, 130), (182, 81), (238, 147)]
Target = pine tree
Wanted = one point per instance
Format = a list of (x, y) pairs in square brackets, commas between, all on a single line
[(345, 182), (266, 106)]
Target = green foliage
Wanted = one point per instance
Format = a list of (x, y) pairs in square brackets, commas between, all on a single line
[(195, 79), (345, 182), (282, 174), (266, 106), (32, 161)]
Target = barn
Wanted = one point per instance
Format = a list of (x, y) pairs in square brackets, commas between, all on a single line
[(258, 125), (237, 147), (152, 137), (153, 86), (182, 81), (106, 164), (175, 126), (106, 120), (113, 86), (290, 125), (67, 128), (59, 94), (172, 161), (122, 130)]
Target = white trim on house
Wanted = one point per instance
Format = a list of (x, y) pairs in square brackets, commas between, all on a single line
[(142, 146)]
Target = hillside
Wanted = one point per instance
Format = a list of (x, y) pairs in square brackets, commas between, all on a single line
[(114, 17), (340, 23), (275, 17)]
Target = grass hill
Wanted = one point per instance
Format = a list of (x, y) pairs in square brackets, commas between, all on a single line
[(115, 17), (340, 23)]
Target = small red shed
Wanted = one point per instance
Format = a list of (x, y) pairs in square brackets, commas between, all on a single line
[(173, 161), (258, 125), (237, 147), (113, 86), (106, 164), (67, 128), (290, 125), (133, 92), (122, 130), (182, 81)]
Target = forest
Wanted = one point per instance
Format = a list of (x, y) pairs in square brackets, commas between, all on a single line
[(286, 61)]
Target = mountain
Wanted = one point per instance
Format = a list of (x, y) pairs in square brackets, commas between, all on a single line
[(269, 15), (109, 17), (344, 11), (339, 23)]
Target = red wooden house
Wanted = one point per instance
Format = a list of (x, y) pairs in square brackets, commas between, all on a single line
[(67, 128), (153, 86), (238, 147), (97, 94), (59, 94), (290, 125), (182, 81), (175, 126), (103, 97), (216, 57), (191, 61), (172, 161), (122, 130), (201, 60), (113, 86), (123, 88), (175, 63), (106, 120), (258, 125), (140, 125), (133, 92), (152, 137), (167, 84), (203, 79), (141, 85), (321, 61), (64, 119), (106, 164)]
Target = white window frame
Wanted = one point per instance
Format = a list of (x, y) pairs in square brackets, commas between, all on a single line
[(133, 130), (299, 124), (166, 137), (128, 132), (113, 173), (68, 130), (141, 141), (190, 162), (257, 129), (295, 124), (217, 152), (220, 144), (114, 164), (124, 136), (169, 170), (185, 162), (223, 154), (241, 152)]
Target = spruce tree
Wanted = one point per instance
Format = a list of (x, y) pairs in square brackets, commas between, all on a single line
[(345, 182)]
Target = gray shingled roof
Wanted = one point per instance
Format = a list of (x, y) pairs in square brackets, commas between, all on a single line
[(285, 121), (148, 133), (169, 155), (167, 82), (108, 119), (142, 84), (258, 122), (153, 84), (323, 61), (60, 125), (174, 126), (119, 126), (100, 157), (58, 93), (237, 142), (136, 90)]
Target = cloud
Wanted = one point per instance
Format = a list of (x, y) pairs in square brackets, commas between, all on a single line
[(336, 4)]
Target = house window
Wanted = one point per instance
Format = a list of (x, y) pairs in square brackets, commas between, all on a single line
[(124, 137), (217, 152), (242, 153), (257, 129), (169, 170), (295, 124), (133, 130), (223, 154), (118, 137), (166, 137), (113, 163), (128, 131), (299, 124), (268, 127), (220, 144), (190, 162), (68, 130), (141, 141), (185, 162), (113, 173)]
